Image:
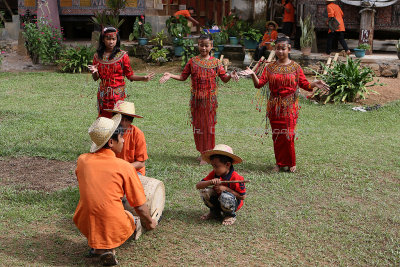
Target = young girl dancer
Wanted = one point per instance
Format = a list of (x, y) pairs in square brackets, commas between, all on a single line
[(284, 77), (112, 65), (204, 70)]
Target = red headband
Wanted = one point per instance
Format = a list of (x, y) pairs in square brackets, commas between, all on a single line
[(114, 34)]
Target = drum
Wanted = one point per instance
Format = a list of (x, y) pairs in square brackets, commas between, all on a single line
[(155, 197)]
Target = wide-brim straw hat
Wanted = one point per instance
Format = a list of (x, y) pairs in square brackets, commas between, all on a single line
[(124, 108), (273, 22), (330, 0), (101, 131), (221, 149)]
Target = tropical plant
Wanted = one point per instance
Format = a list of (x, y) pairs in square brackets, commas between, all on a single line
[(158, 53), (188, 51), (110, 16), (364, 46), (76, 59), (177, 27), (251, 34), (307, 32), (348, 81), (43, 40), (141, 29)]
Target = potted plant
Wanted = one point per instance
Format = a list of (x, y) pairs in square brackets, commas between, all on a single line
[(178, 28), (307, 35), (251, 38), (398, 49), (219, 40), (141, 31), (232, 25), (360, 50), (158, 53)]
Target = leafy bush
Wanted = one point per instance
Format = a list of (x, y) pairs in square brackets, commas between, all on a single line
[(177, 27), (43, 40), (307, 32), (364, 46), (252, 34), (158, 53), (188, 51), (233, 25), (140, 29), (110, 16), (348, 81), (76, 59)]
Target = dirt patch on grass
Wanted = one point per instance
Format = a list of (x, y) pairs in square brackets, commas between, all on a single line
[(141, 66), (37, 173)]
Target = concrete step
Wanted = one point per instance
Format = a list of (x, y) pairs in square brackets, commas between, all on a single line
[(233, 55), (378, 45)]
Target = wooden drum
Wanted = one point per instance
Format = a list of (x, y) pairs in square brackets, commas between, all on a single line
[(155, 197)]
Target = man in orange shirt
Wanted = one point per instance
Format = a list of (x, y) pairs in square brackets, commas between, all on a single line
[(103, 180), (288, 18), (336, 26), (187, 14), (270, 36), (134, 150)]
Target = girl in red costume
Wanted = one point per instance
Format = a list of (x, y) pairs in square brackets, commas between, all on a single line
[(204, 70), (112, 65), (283, 79)]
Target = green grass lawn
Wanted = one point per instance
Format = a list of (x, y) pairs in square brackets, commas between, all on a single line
[(340, 208)]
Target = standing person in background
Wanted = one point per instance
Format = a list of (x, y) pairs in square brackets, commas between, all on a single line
[(111, 65), (288, 18), (336, 26), (187, 14)]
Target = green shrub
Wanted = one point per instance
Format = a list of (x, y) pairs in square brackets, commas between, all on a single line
[(158, 53), (348, 81), (188, 51), (76, 59), (140, 29), (307, 32), (252, 34), (177, 27), (43, 40)]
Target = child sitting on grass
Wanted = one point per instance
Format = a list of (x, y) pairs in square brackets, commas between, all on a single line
[(226, 199)]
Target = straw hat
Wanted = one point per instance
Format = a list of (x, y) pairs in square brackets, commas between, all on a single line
[(330, 0), (221, 150), (102, 130), (273, 22), (124, 108)]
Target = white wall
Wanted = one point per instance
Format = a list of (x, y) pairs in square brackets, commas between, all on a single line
[(244, 8)]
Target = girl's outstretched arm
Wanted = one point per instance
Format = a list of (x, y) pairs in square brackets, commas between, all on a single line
[(95, 72), (233, 75), (145, 78), (249, 71), (168, 76)]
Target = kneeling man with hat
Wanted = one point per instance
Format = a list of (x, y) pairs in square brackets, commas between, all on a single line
[(103, 180)]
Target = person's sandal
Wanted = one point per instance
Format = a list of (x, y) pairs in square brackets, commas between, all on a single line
[(108, 259), (92, 253)]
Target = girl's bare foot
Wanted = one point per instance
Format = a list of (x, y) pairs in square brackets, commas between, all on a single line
[(292, 169), (276, 168), (206, 216), (229, 220)]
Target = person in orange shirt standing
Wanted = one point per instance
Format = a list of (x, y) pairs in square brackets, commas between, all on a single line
[(134, 150), (288, 18), (270, 36), (187, 14), (336, 26), (103, 180)]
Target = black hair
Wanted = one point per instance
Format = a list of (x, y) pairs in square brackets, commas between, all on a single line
[(205, 36), (282, 39), (102, 47), (129, 118), (271, 23), (222, 158), (119, 131), (191, 8)]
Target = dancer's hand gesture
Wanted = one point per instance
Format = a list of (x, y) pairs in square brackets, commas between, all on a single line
[(149, 76), (320, 84), (246, 72), (234, 76), (93, 68), (165, 77)]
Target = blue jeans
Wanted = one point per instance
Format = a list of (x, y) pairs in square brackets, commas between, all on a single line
[(226, 203)]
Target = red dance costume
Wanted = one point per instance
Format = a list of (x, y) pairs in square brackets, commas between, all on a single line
[(203, 101), (283, 106), (112, 86)]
